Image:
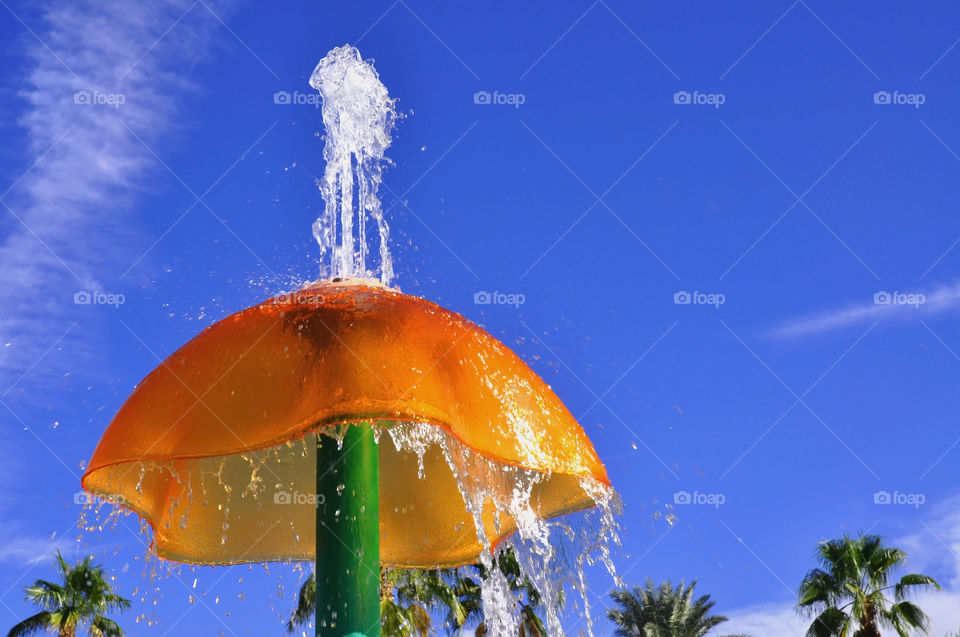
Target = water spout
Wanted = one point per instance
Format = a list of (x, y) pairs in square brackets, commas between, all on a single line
[(358, 115)]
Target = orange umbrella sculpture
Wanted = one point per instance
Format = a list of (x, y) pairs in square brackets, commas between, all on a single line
[(218, 448)]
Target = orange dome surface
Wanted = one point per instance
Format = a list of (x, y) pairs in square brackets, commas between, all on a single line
[(216, 447)]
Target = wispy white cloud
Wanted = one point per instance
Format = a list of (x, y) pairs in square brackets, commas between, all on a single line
[(765, 619), (932, 548), (95, 71), (935, 544), (25, 550), (897, 305), (943, 608)]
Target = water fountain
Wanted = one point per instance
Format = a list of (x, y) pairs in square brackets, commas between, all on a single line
[(346, 422)]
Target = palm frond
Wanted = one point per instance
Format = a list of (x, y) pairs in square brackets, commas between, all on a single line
[(32, 625), (106, 627), (911, 581), (306, 605), (908, 614), (46, 595), (829, 623)]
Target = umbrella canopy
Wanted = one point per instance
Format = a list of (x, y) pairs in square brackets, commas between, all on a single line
[(216, 448)]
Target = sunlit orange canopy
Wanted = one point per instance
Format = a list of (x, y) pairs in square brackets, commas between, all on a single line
[(216, 447)]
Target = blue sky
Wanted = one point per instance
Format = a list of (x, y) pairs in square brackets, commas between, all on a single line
[(790, 160)]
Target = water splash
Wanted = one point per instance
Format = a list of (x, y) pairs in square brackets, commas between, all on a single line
[(541, 546), (358, 115)]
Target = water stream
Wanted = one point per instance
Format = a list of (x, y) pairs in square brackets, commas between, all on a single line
[(358, 115)]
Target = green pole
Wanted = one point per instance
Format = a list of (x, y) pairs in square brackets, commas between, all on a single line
[(348, 535)]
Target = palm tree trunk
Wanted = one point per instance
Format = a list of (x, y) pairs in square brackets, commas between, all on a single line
[(868, 629)]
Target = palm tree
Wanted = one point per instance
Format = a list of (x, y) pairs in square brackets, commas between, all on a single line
[(528, 598), (409, 598), (80, 601), (849, 590), (663, 611)]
